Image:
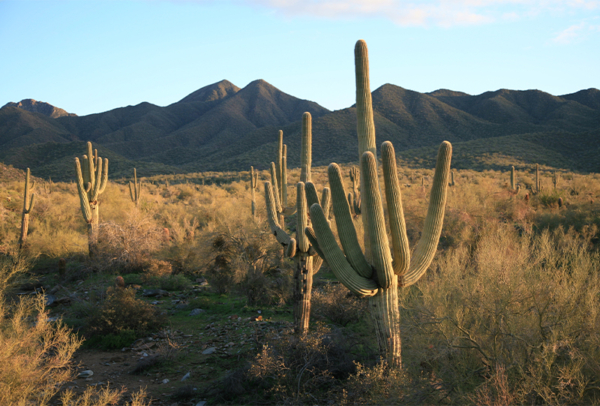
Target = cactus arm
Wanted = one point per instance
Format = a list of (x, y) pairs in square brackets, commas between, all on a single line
[(282, 237), (380, 249), (306, 148), (290, 251), (104, 181), (326, 201), (131, 193), (96, 184), (345, 225), (311, 194), (90, 164), (334, 256), (275, 189), (393, 197), (302, 218), (432, 228), (314, 243), (83, 197)]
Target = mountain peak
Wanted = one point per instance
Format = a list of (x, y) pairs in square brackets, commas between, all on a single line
[(216, 91), (34, 106), (447, 93)]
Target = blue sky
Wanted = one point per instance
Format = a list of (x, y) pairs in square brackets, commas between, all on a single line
[(91, 56)]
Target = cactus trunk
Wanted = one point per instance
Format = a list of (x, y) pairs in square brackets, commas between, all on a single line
[(513, 178), (303, 278), (28, 202)]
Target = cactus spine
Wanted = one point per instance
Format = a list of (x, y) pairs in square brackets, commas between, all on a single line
[(376, 274), (91, 182), (253, 187), (135, 189), (513, 178), (299, 249), (28, 203)]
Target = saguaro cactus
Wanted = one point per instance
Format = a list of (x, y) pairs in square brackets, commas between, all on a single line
[(299, 248), (354, 196), (513, 178), (253, 187), (537, 178), (555, 179), (135, 189), (377, 273), (28, 202), (91, 182)]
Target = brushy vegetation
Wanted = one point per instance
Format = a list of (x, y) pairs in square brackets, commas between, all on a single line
[(508, 313)]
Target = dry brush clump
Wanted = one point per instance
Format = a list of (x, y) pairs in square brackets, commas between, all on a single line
[(515, 311)]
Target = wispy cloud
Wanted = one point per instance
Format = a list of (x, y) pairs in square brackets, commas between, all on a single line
[(576, 33), (444, 13)]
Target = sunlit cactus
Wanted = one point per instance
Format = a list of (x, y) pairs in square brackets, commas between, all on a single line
[(513, 178), (537, 178), (354, 196), (378, 272), (253, 187), (135, 189), (91, 182), (299, 248), (28, 203)]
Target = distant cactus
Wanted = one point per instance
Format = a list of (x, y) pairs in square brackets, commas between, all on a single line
[(537, 179), (452, 179), (253, 187), (377, 274), (513, 178), (91, 182), (135, 189), (555, 179), (354, 196), (307, 264), (28, 203), (560, 202)]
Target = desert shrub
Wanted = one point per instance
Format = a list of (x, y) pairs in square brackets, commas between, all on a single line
[(336, 303), (127, 247), (293, 367), (550, 199), (523, 305), (112, 341), (169, 282), (122, 311)]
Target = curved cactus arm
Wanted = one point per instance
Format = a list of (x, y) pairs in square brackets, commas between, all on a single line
[(393, 197), (301, 217), (131, 192), (334, 256), (284, 177), (311, 194), (104, 178), (31, 204), (275, 189), (290, 251), (319, 257), (380, 249), (432, 228), (345, 225), (278, 232), (83, 196)]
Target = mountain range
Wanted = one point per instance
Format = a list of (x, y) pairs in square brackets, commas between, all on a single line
[(221, 127)]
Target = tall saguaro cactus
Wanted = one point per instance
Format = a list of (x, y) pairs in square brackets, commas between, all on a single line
[(378, 272), (135, 189), (28, 202), (91, 182), (253, 186), (299, 248)]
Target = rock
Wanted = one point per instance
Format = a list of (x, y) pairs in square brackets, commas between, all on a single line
[(186, 376), (154, 292), (196, 312), (209, 351), (50, 300), (64, 300), (85, 374), (201, 403), (165, 381)]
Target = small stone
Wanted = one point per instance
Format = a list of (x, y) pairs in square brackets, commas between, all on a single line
[(85, 374), (209, 351), (196, 312), (165, 381), (202, 403), (186, 376)]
